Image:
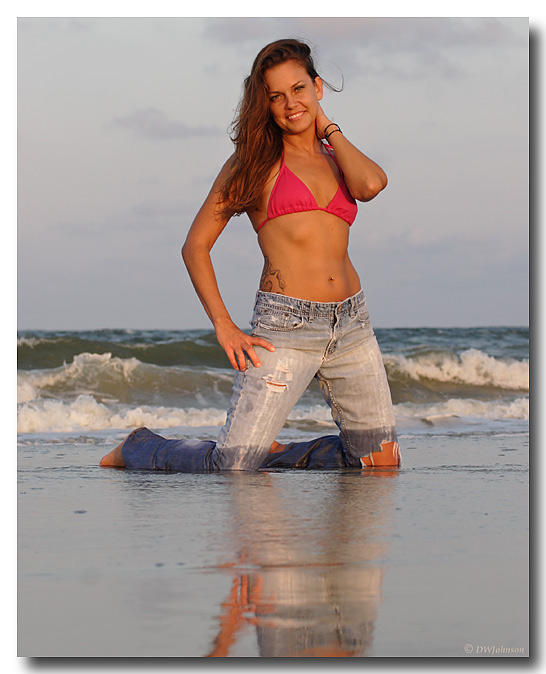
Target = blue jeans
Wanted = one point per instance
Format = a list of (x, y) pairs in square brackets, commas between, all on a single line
[(332, 341)]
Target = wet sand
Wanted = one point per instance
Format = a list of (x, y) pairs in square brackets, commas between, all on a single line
[(427, 560)]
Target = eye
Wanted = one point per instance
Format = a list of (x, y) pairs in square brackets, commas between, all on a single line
[(300, 87), (273, 98)]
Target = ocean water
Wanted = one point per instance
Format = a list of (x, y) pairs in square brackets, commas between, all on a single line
[(428, 560), (94, 383)]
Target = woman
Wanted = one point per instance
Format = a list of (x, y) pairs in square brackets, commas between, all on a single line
[(297, 177)]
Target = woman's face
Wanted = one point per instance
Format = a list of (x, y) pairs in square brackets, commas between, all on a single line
[(293, 96)]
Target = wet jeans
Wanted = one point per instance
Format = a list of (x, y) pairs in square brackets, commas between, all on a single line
[(332, 341)]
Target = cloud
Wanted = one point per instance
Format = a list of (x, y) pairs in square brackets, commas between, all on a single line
[(394, 46), (153, 123), (408, 34), (398, 33)]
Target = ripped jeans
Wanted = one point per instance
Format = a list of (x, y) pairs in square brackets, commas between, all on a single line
[(332, 341)]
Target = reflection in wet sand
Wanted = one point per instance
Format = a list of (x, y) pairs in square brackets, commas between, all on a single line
[(306, 579)]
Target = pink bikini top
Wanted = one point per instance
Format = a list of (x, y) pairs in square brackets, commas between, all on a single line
[(291, 195)]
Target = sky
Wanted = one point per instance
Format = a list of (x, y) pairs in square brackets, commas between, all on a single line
[(123, 125)]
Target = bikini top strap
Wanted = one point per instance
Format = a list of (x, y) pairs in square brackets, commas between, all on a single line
[(329, 150)]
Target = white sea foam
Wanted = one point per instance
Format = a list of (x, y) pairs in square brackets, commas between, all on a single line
[(320, 414), (25, 391), (29, 341), (465, 408), (85, 413), (472, 367)]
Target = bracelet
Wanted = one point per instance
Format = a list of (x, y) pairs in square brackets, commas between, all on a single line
[(331, 132)]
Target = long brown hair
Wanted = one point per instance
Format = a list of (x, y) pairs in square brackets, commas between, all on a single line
[(257, 138)]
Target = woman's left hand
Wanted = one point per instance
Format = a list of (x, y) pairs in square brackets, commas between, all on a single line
[(321, 122)]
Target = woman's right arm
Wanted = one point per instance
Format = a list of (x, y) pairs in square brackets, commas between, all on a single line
[(205, 230)]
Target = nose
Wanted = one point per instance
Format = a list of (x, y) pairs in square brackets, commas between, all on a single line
[(289, 101)]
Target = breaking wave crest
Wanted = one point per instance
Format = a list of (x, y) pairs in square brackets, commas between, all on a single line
[(471, 368)]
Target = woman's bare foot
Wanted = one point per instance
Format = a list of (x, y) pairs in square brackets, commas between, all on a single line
[(115, 459), (276, 447), (388, 455)]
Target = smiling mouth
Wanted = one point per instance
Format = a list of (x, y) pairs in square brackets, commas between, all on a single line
[(296, 115)]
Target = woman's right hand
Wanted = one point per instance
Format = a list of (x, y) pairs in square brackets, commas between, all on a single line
[(236, 343), (321, 122)]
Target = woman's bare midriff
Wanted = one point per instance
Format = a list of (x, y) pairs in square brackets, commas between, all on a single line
[(305, 256)]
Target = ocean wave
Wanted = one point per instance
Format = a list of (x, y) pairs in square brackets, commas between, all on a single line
[(121, 379), (87, 413), (86, 371), (421, 377), (190, 347), (471, 368), (465, 409), (126, 380)]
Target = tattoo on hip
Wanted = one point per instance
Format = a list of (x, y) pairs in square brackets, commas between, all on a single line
[(271, 277)]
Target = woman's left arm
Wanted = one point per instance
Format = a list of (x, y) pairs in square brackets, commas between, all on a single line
[(363, 177)]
